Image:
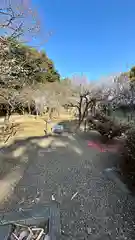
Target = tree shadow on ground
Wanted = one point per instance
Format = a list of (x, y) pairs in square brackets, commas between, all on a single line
[(25, 152), (35, 147), (112, 158), (17, 153)]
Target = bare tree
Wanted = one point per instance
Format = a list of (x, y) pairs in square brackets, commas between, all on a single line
[(46, 97), (25, 99), (84, 97), (8, 102), (9, 98), (88, 97), (18, 19)]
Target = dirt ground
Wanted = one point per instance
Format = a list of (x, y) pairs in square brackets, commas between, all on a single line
[(92, 206), (12, 164)]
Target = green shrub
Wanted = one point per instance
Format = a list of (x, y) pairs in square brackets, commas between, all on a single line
[(128, 157), (107, 127)]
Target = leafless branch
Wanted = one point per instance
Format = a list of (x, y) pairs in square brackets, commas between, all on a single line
[(11, 16), (17, 19)]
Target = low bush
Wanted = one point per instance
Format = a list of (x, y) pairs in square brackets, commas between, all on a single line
[(128, 158), (107, 127)]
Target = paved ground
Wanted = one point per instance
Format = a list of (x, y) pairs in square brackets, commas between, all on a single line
[(99, 210)]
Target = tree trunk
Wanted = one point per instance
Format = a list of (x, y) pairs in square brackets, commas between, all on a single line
[(29, 108), (37, 113), (85, 125), (83, 115), (8, 114), (46, 127)]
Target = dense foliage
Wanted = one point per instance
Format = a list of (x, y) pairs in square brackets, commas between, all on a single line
[(132, 74), (128, 158), (106, 126), (22, 65)]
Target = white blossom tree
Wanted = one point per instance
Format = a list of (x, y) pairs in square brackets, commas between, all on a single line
[(88, 96)]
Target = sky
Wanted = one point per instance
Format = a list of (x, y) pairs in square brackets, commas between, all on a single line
[(95, 38)]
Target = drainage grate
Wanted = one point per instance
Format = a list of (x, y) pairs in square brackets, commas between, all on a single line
[(43, 217)]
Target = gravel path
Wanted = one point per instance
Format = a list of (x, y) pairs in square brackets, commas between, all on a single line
[(99, 209)]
